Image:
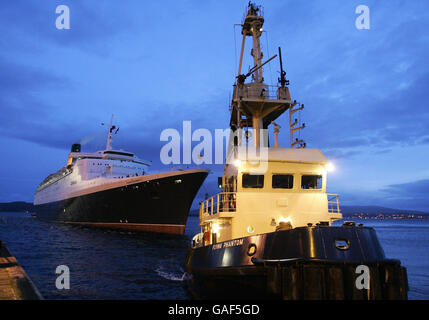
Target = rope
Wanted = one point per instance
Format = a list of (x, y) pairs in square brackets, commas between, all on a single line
[(268, 52), (235, 45)]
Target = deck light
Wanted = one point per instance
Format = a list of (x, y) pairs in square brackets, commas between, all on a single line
[(283, 219), (215, 228)]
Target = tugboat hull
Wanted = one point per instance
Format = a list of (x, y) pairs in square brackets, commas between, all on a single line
[(302, 263), (158, 205)]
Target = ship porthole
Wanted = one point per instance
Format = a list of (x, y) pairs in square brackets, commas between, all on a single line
[(251, 250), (342, 244)]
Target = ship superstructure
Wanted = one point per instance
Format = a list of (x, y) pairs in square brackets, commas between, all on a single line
[(288, 191), (85, 170), (264, 186)]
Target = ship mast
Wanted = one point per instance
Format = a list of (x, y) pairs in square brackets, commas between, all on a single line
[(109, 135), (256, 104)]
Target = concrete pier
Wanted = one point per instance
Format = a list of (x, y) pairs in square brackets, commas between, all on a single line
[(14, 282)]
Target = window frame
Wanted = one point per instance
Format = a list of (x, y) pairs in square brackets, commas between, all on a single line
[(312, 174), (282, 174), (256, 187)]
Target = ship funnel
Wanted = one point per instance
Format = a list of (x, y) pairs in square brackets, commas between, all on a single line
[(76, 147)]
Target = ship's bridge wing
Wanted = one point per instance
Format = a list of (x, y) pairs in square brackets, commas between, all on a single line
[(118, 153), (123, 155), (93, 155), (109, 154)]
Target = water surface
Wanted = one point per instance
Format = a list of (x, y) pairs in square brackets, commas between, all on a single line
[(123, 265)]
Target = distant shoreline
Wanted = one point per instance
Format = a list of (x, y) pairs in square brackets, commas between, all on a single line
[(16, 206), (356, 212), (370, 212), (385, 216)]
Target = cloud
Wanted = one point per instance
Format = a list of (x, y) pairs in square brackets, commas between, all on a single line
[(415, 188), (27, 24), (24, 114), (392, 120), (17, 79), (340, 153), (360, 88), (364, 91), (424, 140), (410, 195), (406, 196)]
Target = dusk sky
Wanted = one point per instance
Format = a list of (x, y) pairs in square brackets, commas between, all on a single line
[(154, 64)]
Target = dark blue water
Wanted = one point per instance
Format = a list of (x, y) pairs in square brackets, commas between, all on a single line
[(122, 265), (408, 241)]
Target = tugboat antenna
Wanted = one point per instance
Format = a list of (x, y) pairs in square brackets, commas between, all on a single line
[(282, 79), (242, 77)]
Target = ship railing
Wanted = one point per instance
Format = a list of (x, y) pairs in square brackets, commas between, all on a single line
[(259, 13), (263, 91), (53, 178), (333, 203), (221, 202)]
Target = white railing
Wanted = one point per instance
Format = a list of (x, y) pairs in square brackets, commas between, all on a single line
[(222, 202), (333, 203), (250, 91)]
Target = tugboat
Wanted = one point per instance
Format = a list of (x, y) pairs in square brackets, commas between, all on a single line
[(114, 189), (269, 234)]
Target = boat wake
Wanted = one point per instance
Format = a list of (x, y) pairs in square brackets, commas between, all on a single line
[(169, 275)]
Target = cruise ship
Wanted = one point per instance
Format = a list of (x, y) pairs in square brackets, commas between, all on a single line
[(115, 189)]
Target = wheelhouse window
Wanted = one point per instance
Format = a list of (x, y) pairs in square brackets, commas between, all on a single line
[(253, 181), (282, 181), (311, 182)]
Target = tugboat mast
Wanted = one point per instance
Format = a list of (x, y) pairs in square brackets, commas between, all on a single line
[(256, 104), (252, 27)]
